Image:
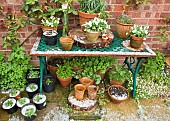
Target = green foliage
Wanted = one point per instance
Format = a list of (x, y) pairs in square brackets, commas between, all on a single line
[(33, 74), (13, 71), (64, 71), (48, 81), (38, 98), (151, 82), (92, 6), (13, 92), (32, 87), (135, 3), (102, 99), (22, 101), (125, 19), (9, 103), (30, 112), (119, 73)]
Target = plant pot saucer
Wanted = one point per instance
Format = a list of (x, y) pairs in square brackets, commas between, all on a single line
[(126, 44), (82, 41), (83, 105)]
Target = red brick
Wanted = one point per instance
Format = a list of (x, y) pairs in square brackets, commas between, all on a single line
[(155, 22), (118, 7), (164, 15), (167, 1), (19, 1), (110, 8), (148, 15), (157, 8), (141, 21), (16, 7), (147, 7), (134, 14), (10, 1), (167, 8), (116, 14)]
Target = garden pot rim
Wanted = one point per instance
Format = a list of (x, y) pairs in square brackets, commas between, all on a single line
[(27, 106), (9, 107), (27, 87), (54, 34), (82, 14), (43, 98), (18, 92), (45, 77), (66, 39), (123, 23), (21, 105)]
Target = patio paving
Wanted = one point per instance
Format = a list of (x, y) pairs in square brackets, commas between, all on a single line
[(150, 110)]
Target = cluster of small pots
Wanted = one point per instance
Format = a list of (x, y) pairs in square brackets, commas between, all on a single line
[(107, 37), (28, 109)]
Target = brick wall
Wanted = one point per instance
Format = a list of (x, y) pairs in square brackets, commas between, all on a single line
[(144, 15)]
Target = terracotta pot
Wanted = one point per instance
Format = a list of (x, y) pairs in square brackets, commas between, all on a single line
[(92, 92), (104, 37), (122, 29), (66, 42), (102, 75), (52, 69), (115, 100), (86, 81), (115, 82), (46, 28), (92, 36), (85, 17), (136, 42), (168, 60), (65, 82), (79, 91)]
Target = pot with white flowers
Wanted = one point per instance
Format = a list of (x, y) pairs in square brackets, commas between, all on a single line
[(15, 94), (22, 101), (32, 89), (50, 33), (94, 28), (29, 112), (39, 101), (138, 35), (10, 105)]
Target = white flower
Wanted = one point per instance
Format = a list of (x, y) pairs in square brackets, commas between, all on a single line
[(64, 6)]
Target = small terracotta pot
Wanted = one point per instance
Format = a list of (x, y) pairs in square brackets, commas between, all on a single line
[(79, 91), (86, 81), (46, 28), (92, 92), (136, 42), (65, 82), (66, 42), (104, 37), (92, 36)]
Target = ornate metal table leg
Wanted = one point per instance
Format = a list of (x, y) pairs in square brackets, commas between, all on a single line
[(134, 71), (43, 69)]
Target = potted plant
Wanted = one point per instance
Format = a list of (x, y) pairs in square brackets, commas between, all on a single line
[(22, 101), (32, 89), (64, 74), (118, 93), (39, 101), (138, 34), (50, 33), (94, 28), (66, 42), (49, 83), (10, 105), (15, 94), (89, 9), (33, 76), (29, 112), (123, 23), (119, 74)]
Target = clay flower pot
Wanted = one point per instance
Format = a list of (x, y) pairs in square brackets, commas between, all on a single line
[(65, 82), (136, 42), (104, 37), (118, 93), (92, 36), (79, 91), (46, 28), (66, 42), (86, 81), (92, 92)]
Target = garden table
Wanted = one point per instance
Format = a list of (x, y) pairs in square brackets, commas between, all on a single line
[(115, 49)]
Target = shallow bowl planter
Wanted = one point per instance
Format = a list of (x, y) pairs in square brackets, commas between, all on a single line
[(49, 86), (15, 94), (39, 101), (32, 91), (32, 114), (22, 101), (118, 93), (10, 105)]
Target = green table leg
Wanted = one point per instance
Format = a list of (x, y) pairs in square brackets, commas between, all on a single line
[(134, 71), (43, 69)]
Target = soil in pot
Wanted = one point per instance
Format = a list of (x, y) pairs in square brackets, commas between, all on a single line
[(39, 101), (49, 83), (50, 37), (29, 112), (22, 101), (15, 94), (10, 105), (33, 76), (118, 93), (32, 89)]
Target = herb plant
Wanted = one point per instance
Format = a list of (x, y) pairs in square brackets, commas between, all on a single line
[(139, 31), (32, 87), (22, 101), (33, 74), (13, 92), (30, 112), (125, 19), (48, 81), (9, 103), (38, 98)]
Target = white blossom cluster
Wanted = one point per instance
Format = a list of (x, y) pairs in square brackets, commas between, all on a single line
[(50, 22), (96, 24), (139, 31)]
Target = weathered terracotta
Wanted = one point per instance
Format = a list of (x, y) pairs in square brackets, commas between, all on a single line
[(86, 81), (66, 42), (92, 36), (92, 92), (79, 91), (136, 42), (65, 82)]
